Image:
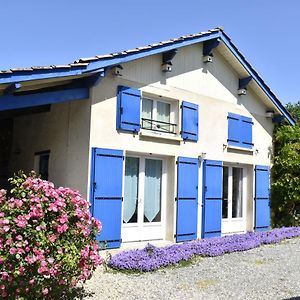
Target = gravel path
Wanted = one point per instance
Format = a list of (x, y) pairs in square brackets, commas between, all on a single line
[(268, 272)]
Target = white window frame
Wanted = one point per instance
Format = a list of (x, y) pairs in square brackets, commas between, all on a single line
[(230, 224), (174, 111)]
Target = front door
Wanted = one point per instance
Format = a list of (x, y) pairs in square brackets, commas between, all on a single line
[(234, 199), (144, 193)]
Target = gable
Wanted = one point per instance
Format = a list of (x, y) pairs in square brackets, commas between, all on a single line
[(89, 66)]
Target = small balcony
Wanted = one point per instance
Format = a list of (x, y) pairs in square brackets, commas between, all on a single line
[(158, 126)]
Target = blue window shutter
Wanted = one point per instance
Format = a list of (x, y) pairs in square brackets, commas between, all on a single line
[(190, 119), (128, 109), (246, 132), (187, 199), (212, 198), (262, 198), (234, 130), (107, 194)]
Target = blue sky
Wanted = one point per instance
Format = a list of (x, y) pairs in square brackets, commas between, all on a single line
[(59, 31)]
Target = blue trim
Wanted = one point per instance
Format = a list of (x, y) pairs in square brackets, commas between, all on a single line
[(40, 74), (169, 56), (94, 79), (278, 119), (96, 65), (22, 101), (243, 82), (209, 46), (157, 50), (12, 88)]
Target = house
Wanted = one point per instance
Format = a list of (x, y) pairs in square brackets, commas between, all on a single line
[(169, 141)]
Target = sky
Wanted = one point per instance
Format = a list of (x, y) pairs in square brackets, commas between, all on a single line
[(267, 32)]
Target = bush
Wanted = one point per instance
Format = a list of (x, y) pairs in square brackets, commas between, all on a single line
[(285, 196), (47, 239)]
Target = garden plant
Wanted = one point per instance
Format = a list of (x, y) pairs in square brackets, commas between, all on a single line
[(47, 240), (152, 258)]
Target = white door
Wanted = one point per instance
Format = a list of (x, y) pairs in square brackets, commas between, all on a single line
[(234, 199), (144, 196)]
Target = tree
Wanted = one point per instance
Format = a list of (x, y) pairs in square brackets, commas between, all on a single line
[(294, 110), (285, 196)]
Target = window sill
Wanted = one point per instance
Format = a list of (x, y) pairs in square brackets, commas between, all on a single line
[(229, 147), (159, 135)]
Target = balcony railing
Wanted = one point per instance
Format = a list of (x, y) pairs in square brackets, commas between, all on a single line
[(159, 126)]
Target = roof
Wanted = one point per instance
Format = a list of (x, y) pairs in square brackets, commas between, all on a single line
[(91, 65)]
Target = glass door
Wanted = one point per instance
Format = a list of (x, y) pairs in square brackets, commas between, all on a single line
[(143, 199), (233, 204)]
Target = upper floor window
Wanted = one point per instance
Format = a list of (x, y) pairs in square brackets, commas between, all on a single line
[(240, 131), (153, 113), (157, 116)]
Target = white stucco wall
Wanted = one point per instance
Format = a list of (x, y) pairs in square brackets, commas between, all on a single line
[(64, 130), (213, 87)]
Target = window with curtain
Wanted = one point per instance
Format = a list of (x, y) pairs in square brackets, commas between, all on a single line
[(225, 193), (131, 190), (237, 192), (156, 116), (152, 201), (147, 112)]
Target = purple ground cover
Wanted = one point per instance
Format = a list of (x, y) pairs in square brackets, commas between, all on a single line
[(151, 258)]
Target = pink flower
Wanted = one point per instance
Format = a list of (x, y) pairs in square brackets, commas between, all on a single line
[(62, 228), (19, 237), (45, 291), (63, 219), (31, 281), (9, 241), (12, 251), (50, 260), (21, 221), (6, 228), (52, 238)]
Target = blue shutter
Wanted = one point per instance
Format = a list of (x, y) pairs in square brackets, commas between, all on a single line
[(262, 198), (239, 131), (107, 194), (128, 109), (234, 130), (212, 198), (189, 130), (187, 199), (246, 132)]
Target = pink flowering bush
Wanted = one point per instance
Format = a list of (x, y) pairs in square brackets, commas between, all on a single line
[(47, 240)]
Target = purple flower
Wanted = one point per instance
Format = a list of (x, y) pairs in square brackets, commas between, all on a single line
[(151, 258)]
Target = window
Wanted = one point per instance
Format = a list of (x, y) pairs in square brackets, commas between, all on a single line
[(232, 204), (239, 131), (42, 164), (157, 116)]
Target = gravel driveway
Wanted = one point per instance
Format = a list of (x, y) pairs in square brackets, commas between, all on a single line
[(268, 272)]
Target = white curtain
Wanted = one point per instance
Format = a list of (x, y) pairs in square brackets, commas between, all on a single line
[(147, 107), (131, 187), (153, 176), (163, 114), (237, 193)]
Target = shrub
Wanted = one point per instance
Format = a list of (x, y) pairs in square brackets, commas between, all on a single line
[(151, 258), (285, 196), (47, 239)]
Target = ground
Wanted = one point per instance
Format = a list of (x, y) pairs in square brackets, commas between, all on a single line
[(267, 272)]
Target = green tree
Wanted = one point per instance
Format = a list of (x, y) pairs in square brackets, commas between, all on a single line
[(294, 110), (285, 196)]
